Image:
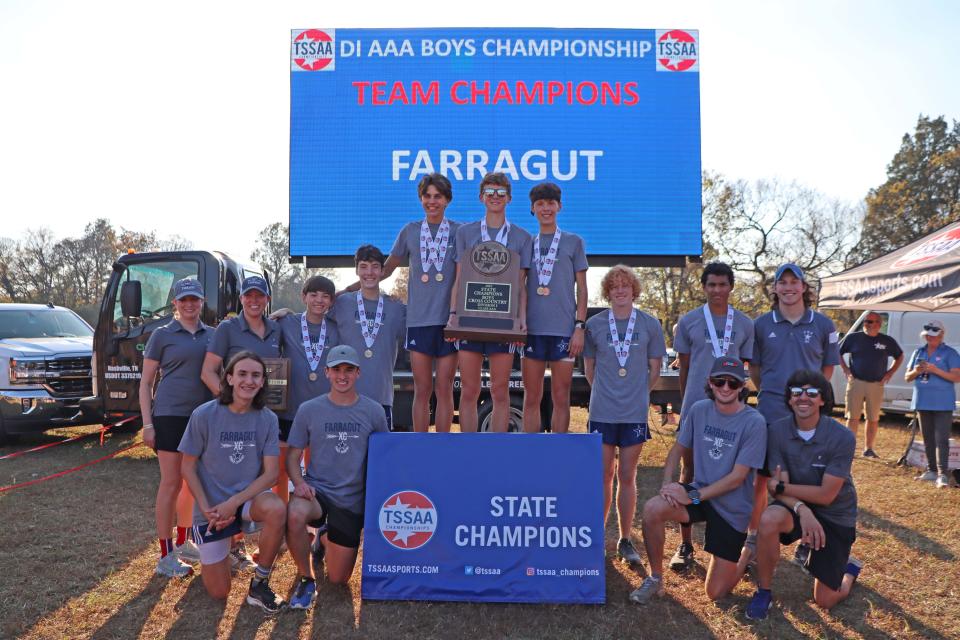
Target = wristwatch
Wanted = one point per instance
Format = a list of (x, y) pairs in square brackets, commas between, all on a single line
[(780, 488), (579, 324), (694, 496)]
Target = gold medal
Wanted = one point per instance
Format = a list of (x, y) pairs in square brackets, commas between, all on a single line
[(539, 291), (622, 372), (424, 278), (313, 376), (546, 291), (368, 353), (439, 277)]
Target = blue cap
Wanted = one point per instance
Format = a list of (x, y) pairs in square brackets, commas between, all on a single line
[(789, 266), (187, 287), (343, 354), (254, 282)]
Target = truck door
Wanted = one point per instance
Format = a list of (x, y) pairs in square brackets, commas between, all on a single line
[(121, 344)]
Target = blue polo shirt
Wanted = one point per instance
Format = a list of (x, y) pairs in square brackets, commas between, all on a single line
[(781, 347), (935, 393)]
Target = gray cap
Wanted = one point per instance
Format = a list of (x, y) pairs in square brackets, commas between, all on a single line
[(254, 282), (343, 354), (728, 366), (187, 287)]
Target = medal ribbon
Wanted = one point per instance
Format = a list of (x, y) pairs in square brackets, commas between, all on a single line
[(545, 263), (502, 235), (622, 348), (437, 246), (718, 351), (313, 351), (369, 335)]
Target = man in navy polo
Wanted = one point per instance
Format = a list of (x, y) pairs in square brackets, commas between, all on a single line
[(789, 337), (869, 370)]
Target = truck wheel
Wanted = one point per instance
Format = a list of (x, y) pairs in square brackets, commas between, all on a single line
[(515, 419)]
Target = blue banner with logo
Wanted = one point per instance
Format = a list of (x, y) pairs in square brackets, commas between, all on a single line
[(610, 115), (484, 518)]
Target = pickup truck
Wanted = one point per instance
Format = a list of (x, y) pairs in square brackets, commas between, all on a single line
[(44, 367), (137, 301)]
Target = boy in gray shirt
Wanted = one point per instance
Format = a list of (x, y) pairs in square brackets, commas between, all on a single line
[(336, 427), (728, 442), (374, 325)]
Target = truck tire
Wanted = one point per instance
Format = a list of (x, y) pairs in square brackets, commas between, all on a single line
[(515, 420)]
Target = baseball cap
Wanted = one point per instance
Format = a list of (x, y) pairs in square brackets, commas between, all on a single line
[(789, 266), (932, 328), (254, 282), (187, 287), (343, 354), (728, 366)]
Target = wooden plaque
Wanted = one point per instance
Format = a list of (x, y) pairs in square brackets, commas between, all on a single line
[(278, 382), (488, 298)]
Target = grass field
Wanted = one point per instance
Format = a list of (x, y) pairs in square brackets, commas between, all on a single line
[(77, 555)]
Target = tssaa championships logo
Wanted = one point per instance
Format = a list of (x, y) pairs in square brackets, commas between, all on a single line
[(313, 50), (933, 248), (678, 50), (408, 520)]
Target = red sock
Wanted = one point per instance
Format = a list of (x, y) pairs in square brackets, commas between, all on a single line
[(181, 535), (166, 546)]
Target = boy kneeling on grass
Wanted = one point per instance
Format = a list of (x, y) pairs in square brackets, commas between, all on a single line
[(230, 462), (815, 501)]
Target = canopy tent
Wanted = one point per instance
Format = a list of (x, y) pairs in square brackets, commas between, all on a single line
[(922, 276)]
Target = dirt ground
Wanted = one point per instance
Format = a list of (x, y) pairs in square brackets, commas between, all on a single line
[(77, 555)]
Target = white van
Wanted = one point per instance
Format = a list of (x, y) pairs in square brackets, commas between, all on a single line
[(904, 327)]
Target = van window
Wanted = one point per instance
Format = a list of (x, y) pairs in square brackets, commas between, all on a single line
[(156, 286), (913, 322)]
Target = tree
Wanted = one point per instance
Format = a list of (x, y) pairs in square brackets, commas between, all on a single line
[(286, 278), (921, 193)]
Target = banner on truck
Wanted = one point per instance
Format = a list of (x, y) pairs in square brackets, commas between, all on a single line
[(610, 115), (484, 517)]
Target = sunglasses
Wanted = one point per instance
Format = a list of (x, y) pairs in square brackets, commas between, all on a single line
[(732, 383), (931, 328), (490, 191), (871, 322), (811, 392)]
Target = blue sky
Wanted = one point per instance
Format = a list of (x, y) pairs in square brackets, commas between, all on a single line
[(175, 116)]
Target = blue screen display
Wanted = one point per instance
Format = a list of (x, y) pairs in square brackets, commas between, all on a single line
[(610, 115)]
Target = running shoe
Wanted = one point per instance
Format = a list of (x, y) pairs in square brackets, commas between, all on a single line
[(189, 552), (801, 557), (683, 558), (650, 588), (870, 453), (927, 476), (171, 567), (759, 605), (304, 594), (627, 552), (261, 595), (240, 560), (943, 481)]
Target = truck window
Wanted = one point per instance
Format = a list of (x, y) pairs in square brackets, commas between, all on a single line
[(53, 323), (156, 285)]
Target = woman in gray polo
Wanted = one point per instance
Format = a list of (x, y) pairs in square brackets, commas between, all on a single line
[(176, 351)]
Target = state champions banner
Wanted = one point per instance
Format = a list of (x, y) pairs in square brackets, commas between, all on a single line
[(611, 115), (484, 517)]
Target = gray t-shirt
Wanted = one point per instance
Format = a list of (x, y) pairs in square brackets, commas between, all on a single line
[(301, 388), (554, 314), (376, 372), (233, 335), (719, 442), (338, 437), (693, 338), (613, 398), (519, 240), (781, 347), (829, 451), (180, 354), (428, 303), (230, 447)]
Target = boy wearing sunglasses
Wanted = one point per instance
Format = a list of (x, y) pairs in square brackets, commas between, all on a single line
[(814, 500), (727, 441), (495, 196)]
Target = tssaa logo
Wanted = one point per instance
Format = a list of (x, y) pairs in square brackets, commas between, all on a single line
[(678, 50), (933, 248), (408, 520), (313, 50)]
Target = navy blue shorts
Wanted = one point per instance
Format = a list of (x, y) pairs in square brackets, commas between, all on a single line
[(829, 563), (429, 341), (343, 527), (620, 434), (486, 348), (547, 348)]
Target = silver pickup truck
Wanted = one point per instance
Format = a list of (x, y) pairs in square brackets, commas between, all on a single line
[(44, 367)]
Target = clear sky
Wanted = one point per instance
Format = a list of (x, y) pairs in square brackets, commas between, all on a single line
[(174, 116)]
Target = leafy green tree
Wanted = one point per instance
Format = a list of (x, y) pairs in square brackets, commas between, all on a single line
[(921, 193), (286, 278)]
